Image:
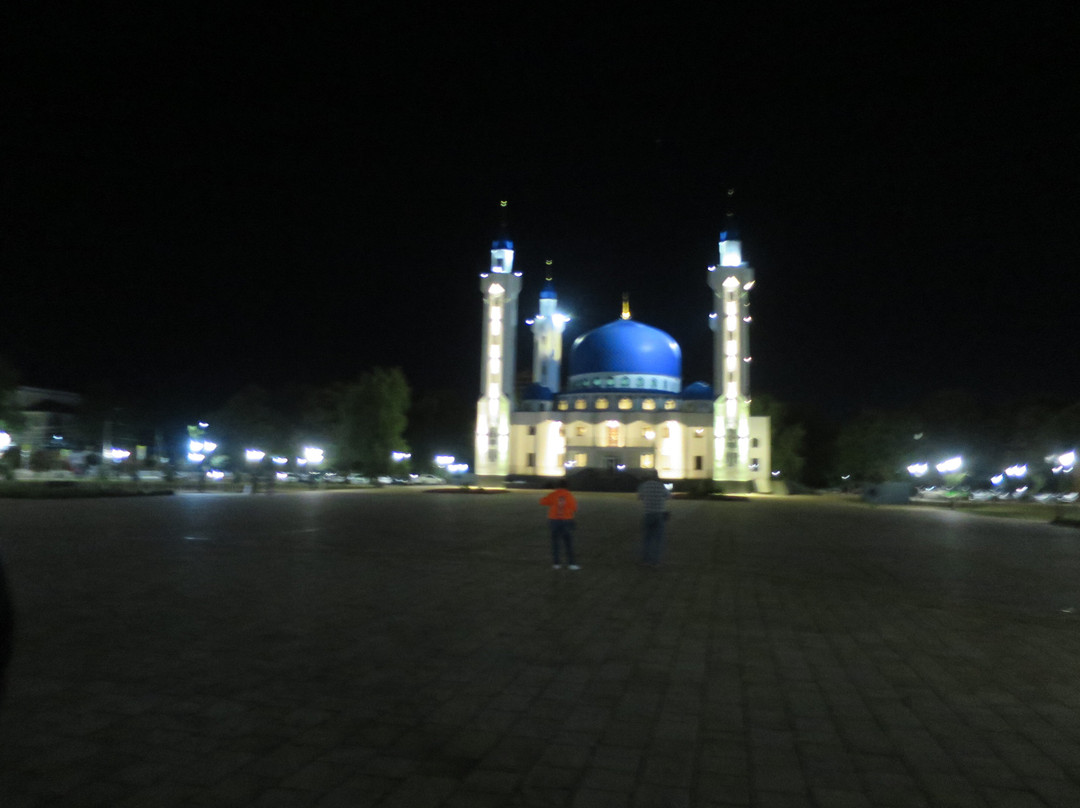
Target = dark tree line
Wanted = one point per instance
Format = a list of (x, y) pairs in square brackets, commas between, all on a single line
[(878, 445)]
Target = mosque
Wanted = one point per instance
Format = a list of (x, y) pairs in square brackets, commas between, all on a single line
[(624, 406)]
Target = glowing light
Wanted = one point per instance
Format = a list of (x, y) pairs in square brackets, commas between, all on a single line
[(1067, 459), (397, 457), (312, 454), (214, 474), (997, 479), (620, 467), (196, 457), (748, 286), (5, 440), (650, 434), (952, 464), (254, 455), (776, 473), (712, 269), (457, 468), (731, 282), (496, 289), (1016, 471), (203, 425), (279, 461), (116, 455), (282, 475), (561, 319), (444, 460), (916, 469)]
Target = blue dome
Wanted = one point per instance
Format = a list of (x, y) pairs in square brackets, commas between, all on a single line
[(502, 244), (698, 391), (548, 292), (626, 346), (537, 392)]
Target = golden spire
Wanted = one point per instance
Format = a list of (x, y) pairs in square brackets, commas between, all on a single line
[(626, 305)]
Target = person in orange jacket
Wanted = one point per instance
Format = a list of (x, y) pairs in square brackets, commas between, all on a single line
[(561, 509)]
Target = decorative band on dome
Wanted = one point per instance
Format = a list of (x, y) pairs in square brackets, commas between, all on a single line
[(625, 382)]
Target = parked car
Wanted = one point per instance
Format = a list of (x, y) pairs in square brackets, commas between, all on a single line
[(425, 479), (357, 479)]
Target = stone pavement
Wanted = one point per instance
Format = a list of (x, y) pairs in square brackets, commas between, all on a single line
[(403, 649)]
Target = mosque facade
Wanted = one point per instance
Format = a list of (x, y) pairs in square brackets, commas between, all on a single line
[(624, 405)]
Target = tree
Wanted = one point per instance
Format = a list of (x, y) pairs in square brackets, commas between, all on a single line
[(364, 420), (788, 435), (248, 420), (876, 446), (441, 422), (10, 415)]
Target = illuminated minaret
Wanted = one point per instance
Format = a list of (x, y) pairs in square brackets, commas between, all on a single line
[(547, 328), (500, 287), (731, 282)]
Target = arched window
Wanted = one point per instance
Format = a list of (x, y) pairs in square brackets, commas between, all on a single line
[(648, 404), (626, 404), (601, 403), (579, 404), (564, 405), (670, 404)]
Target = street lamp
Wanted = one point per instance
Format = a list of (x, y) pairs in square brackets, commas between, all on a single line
[(253, 457)]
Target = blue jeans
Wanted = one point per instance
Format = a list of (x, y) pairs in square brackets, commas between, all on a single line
[(562, 533), (652, 526)]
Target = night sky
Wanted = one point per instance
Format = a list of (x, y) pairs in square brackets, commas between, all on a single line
[(193, 202)]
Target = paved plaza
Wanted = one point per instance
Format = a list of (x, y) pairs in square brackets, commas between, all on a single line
[(410, 650)]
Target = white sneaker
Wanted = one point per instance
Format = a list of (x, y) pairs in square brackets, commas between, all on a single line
[(573, 567)]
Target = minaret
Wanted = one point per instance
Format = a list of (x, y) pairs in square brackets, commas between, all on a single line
[(731, 282), (547, 328), (500, 287)]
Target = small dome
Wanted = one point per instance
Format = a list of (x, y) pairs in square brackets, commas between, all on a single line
[(537, 392), (548, 292), (502, 244), (626, 346), (698, 391)]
